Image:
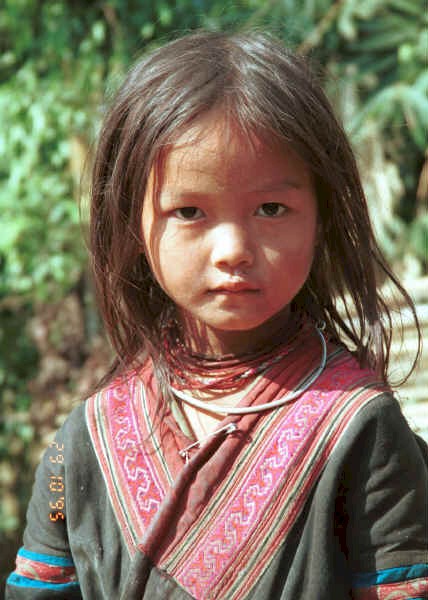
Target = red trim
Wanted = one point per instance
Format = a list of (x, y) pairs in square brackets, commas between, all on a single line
[(40, 571), (403, 590)]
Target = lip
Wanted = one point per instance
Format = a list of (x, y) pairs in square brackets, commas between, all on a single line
[(234, 287)]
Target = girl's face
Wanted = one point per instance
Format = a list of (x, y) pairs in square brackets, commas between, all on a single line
[(229, 229)]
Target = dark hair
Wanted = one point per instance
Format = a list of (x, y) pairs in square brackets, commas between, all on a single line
[(266, 90)]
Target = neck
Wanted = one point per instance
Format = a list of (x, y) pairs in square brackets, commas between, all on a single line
[(213, 343)]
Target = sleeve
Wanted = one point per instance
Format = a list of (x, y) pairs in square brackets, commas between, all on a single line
[(385, 488), (44, 565)]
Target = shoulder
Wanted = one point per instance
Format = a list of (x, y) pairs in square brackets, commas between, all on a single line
[(123, 388), (376, 442), (75, 438), (366, 407), (348, 391), (380, 426), (344, 371)]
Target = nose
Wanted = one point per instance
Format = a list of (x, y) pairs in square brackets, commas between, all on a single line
[(231, 246)]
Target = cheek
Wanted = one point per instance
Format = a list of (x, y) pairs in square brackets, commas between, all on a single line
[(160, 253), (297, 267), (297, 249), (305, 258), (293, 263), (176, 268)]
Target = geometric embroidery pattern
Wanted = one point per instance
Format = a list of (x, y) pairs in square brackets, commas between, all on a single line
[(135, 487)]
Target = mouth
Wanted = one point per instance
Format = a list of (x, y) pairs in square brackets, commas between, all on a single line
[(234, 287)]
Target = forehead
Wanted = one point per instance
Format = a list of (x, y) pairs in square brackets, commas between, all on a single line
[(218, 149)]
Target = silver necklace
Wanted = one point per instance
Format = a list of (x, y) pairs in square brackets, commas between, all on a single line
[(246, 410)]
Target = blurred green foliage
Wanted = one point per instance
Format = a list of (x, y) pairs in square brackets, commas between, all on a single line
[(57, 60)]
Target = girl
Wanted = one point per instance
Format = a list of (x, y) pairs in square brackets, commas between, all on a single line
[(236, 449)]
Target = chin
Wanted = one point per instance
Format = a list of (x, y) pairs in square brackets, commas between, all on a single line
[(237, 325)]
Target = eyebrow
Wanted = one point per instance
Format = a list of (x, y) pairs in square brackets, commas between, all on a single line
[(274, 186), (277, 186)]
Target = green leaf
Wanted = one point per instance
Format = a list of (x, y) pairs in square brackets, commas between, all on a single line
[(98, 31), (385, 41), (408, 7), (11, 231), (419, 237)]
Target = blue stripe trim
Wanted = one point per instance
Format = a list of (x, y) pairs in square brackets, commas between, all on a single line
[(390, 575), (47, 559), (20, 581)]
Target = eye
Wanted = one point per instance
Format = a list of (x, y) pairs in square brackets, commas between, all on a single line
[(188, 213), (271, 209)]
